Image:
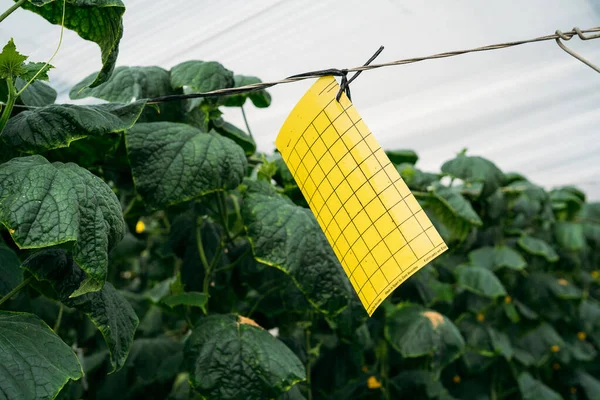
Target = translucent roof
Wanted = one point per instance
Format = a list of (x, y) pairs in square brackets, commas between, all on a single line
[(531, 109)]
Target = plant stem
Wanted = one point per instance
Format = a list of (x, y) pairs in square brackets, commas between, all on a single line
[(222, 206), (11, 9), (203, 259), (10, 102), (16, 290), (246, 122), (61, 309)]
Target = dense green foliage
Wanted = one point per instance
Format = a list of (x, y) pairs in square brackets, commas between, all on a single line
[(148, 252)]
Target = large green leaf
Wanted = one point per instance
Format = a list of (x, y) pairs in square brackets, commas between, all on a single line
[(10, 273), (480, 281), (236, 134), (475, 169), (107, 308), (173, 163), (538, 247), (560, 287), (100, 21), (192, 299), (288, 237), (201, 76), (539, 343), (35, 362), (448, 207), (532, 389), (128, 84), (44, 204), (414, 331), (402, 156), (569, 235), (415, 178), (497, 257), (260, 98), (55, 126), (37, 94), (229, 358)]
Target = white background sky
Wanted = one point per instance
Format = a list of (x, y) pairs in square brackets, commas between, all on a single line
[(532, 109)]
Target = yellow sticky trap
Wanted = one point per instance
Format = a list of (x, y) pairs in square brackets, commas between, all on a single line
[(374, 224)]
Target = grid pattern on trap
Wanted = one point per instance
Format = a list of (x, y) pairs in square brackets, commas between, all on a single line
[(376, 227)]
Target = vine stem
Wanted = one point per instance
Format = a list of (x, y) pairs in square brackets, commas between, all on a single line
[(246, 122), (308, 362), (10, 102), (11, 9), (16, 290), (62, 31), (59, 318)]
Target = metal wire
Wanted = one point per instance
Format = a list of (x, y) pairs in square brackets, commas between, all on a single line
[(367, 67), (341, 72)]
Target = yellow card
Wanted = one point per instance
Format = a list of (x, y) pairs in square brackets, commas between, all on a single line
[(374, 224)]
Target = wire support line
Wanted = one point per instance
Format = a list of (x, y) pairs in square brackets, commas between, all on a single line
[(367, 67)]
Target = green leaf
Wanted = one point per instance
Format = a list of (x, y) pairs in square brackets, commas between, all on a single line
[(127, 84), (201, 76), (538, 343), (100, 21), (456, 204), (30, 70), (46, 204), (475, 169), (229, 358), (108, 310), (288, 237), (480, 281), (260, 98), (56, 126), (497, 257), (192, 299), (538, 247), (415, 178), (35, 362), (11, 61), (560, 287), (569, 235), (37, 94), (501, 343), (589, 384), (113, 316), (173, 163), (532, 389), (10, 273), (236, 134), (414, 331), (402, 156)]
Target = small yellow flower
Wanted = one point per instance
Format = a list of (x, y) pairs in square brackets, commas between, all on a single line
[(373, 383), (456, 379), (365, 368), (581, 335), (595, 274), (555, 349), (11, 231), (480, 317), (508, 299), (573, 390), (556, 366), (140, 226)]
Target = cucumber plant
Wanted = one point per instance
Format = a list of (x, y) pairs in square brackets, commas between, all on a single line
[(150, 252)]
